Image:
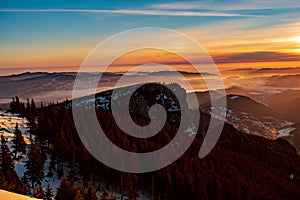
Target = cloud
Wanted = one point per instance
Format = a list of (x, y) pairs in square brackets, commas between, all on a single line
[(136, 12), (278, 70), (228, 5), (267, 69), (284, 81), (268, 34), (262, 72), (256, 57)]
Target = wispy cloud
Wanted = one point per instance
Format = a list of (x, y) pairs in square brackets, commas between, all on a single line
[(247, 35), (257, 57), (228, 5), (136, 12)]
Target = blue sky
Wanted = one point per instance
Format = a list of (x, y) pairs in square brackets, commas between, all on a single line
[(33, 31)]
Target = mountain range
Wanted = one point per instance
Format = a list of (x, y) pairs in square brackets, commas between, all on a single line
[(270, 116)]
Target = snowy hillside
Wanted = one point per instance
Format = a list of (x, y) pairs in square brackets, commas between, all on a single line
[(254, 118), (8, 122)]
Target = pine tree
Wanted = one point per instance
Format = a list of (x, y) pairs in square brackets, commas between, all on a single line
[(6, 161), (28, 113), (13, 105), (17, 105), (19, 144), (32, 127), (64, 146), (132, 195), (91, 194), (79, 193), (104, 195), (34, 165), (65, 191), (39, 192), (48, 193), (9, 179), (33, 108), (28, 105)]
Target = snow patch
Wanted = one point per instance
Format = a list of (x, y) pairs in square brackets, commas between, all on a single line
[(13, 196), (285, 132), (234, 97), (191, 130), (8, 123)]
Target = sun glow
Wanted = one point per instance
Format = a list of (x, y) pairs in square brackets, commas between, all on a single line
[(296, 39)]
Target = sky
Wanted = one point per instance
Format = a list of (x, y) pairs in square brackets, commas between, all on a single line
[(57, 35)]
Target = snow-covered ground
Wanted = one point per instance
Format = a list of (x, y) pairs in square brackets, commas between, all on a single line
[(8, 122), (268, 127), (5, 195), (285, 132)]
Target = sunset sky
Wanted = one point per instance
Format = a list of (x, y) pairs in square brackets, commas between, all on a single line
[(57, 35)]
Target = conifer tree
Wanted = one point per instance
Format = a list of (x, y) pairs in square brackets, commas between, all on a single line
[(91, 194), (39, 192), (6, 161), (65, 191), (79, 193), (48, 193), (28, 105), (104, 195), (33, 108), (13, 105), (28, 113), (17, 105), (19, 144), (34, 165), (32, 127), (9, 179)]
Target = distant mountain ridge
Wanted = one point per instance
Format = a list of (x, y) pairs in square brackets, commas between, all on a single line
[(287, 103)]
